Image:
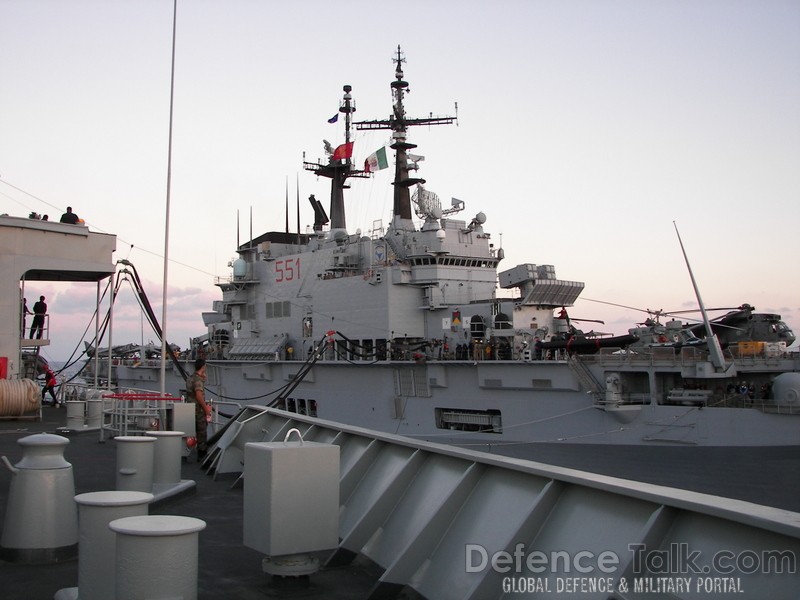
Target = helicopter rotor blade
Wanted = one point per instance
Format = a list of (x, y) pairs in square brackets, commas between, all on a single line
[(662, 312), (615, 304), (718, 324), (588, 321), (691, 310)]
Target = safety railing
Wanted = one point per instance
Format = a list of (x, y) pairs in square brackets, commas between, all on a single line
[(134, 413)]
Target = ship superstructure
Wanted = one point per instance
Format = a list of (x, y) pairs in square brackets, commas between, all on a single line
[(426, 290)]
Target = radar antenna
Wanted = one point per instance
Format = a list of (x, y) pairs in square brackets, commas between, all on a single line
[(429, 206), (427, 203)]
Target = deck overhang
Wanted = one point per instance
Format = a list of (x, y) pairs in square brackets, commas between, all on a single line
[(34, 250)]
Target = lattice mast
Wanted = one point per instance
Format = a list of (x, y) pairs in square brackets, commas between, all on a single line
[(398, 123)]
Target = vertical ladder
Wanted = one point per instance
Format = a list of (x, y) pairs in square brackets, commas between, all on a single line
[(29, 366), (29, 362)]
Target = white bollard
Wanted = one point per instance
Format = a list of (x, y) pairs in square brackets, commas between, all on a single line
[(94, 413), (135, 463), (97, 543), (76, 417), (41, 523), (156, 557), (167, 457)]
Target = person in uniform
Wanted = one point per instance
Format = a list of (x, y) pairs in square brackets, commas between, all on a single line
[(195, 391)]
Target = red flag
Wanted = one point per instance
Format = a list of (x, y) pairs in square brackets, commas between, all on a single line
[(343, 151)]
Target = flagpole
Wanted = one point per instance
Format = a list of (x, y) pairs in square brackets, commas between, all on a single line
[(297, 186), (164, 345)]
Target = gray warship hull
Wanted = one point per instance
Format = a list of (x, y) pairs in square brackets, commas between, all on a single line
[(541, 410)]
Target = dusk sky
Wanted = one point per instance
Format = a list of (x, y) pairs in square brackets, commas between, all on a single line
[(585, 128)]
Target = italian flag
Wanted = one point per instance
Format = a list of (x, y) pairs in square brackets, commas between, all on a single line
[(376, 161)]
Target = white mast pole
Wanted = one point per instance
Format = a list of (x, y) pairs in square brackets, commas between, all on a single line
[(714, 349), (164, 346)]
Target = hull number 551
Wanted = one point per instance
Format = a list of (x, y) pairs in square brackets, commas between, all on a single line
[(287, 270)]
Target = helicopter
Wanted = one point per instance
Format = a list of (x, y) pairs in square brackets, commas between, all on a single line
[(739, 324), (575, 341), (743, 324)]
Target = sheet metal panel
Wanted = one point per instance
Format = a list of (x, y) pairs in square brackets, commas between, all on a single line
[(426, 514)]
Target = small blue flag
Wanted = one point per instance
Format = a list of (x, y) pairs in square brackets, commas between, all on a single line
[(334, 118)]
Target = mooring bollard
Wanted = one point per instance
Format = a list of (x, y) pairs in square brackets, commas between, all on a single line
[(97, 543), (94, 413), (135, 463), (167, 457), (41, 523), (76, 414), (156, 557)]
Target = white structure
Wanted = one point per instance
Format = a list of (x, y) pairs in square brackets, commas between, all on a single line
[(33, 250), (291, 502)]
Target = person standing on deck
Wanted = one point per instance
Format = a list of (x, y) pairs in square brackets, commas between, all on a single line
[(69, 217), (50, 386), (39, 311), (25, 312), (195, 390)]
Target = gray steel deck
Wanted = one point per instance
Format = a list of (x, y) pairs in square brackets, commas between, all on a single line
[(410, 511), (228, 570)]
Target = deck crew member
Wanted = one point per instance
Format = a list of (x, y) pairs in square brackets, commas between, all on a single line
[(195, 390), (50, 383)]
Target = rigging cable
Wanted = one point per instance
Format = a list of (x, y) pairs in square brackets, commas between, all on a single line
[(154, 323), (74, 359)]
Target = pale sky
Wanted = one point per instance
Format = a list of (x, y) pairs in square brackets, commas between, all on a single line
[(585, 128)]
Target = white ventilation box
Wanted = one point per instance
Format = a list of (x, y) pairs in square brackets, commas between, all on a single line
[(291, 497)]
